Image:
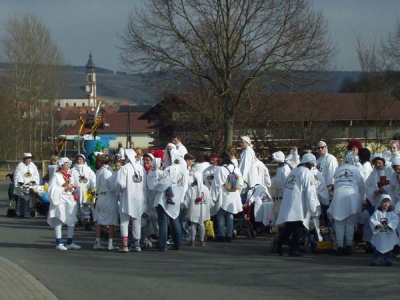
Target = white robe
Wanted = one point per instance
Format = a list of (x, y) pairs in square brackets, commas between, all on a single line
[(327, 165), (257, 196), (132, 186), (62, 204), (86, 180), (228, 201), (175, 176), (384, 239), (372, 185), (278, 181), (198, 212), (300, 201), (106, 211), (349, 192), (208, 175), (25, 174), (263, 173), (248, 168)]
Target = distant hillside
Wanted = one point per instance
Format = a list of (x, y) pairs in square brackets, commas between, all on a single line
[(135, 88)]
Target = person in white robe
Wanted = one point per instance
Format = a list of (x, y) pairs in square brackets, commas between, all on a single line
[(278, 181), (198, 203), (348, 197), (132, 187), (120, 152), (150, 217), (179, 146), (293, 159), (377, 182), (260, 207), (106, 210), (299, 205), (365, 159), (208, 173), (327, 165), (227, 203), (166, 161), (63, 204), (174, 176), (201, 166), (383, 223), (86, 180), (263, 173), (26, 175), (247, 163)]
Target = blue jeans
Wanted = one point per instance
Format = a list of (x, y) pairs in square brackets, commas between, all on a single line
[(386, 256), (183, 220), (22, 204), (225, 218), (163, 219)]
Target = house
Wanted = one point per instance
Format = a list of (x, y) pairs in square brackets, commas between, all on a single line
[(282, 120)]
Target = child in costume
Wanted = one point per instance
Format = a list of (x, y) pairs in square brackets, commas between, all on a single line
[(383, 223), (198, 203)]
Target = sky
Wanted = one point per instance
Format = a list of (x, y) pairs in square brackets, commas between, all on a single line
[(79, 27)]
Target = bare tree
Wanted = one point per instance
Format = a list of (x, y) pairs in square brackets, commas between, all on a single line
[(236, 45), (36, 77)]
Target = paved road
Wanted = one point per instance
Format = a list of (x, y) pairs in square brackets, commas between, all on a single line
[(243, 269)]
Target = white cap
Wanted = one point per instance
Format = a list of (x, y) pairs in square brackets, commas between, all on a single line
[(27, 155), (278, 157), (63, 161), (309, 158), (246, 139), (396, 161)]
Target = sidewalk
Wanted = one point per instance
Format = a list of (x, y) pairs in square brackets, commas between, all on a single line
[(15, 283)]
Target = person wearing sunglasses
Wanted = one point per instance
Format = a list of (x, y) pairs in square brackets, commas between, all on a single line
[(327, 165)]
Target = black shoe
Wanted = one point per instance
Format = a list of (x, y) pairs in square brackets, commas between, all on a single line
[(279, 250), (220, 239), (388, 264), (295, 253), (348, 250), (339, 251), (21, 216), (228, 239)]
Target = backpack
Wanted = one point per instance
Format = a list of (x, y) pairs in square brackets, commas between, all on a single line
[(232, 181)]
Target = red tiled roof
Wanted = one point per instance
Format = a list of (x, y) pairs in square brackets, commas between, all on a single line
[(337, 106), (119, 123)]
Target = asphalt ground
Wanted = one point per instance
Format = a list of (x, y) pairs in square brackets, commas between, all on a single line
[(243, 269)]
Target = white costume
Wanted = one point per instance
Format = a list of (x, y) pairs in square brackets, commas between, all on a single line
[(121, 153), (299, 202), (86, 180), (228, 201), (248, 167), (257, 196), (327, 165), (131, 183), (132, 186), (263, 173), (198, 201), (384, 238), (176, 176), (348, 196), (24, 175), (200, 167), (63, 207), (372, 185), (208, 175), (349, 192), (106, 211), (181, 149)]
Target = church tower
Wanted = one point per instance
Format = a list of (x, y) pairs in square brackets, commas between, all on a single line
[(90, 85)]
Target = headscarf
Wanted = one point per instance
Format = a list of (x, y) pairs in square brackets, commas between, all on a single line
[(308, 158), (351, 158), (165, 158), (131, 155), (278, 156)]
